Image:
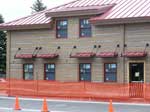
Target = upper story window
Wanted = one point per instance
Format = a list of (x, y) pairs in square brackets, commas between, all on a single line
[(85, 28), (110, 72), (61, 28), (28, 71)]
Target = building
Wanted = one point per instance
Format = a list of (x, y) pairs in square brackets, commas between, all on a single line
[(85, 40)]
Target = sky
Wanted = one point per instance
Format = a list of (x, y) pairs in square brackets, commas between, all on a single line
[(15, 9)]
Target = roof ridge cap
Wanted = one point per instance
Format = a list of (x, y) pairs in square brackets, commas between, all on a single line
[(41, 12)]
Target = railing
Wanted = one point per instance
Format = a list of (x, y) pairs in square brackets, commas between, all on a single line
[(83, 90)]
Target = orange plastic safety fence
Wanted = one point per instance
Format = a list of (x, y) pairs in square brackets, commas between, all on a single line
[(3, 87), (21, 87), (61, 89), (136, 90), (147, 91), (72, 90), (107, 90)]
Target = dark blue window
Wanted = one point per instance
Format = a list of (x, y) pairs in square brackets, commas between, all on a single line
[(85, 72), (110, 72), (85, 28), (28, 71), (49, 71), (61, 27)]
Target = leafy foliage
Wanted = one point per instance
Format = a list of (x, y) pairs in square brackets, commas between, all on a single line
[(38, 6), (2, 48)]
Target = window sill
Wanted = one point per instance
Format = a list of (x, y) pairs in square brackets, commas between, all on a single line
[(85, 37), (110, 81), (62, 38)]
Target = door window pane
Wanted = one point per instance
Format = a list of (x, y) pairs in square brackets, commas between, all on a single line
[(85, 72), (110, 72), (49, 71), (28, 71)]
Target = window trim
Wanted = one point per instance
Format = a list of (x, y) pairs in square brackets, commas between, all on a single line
[(105, 72), (56, 29), (29, 72), (83, 28), (45, 71), (79, 76)]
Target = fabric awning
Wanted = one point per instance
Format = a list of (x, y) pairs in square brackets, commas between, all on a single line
[(107, 54), (47, 55), (135, 54), (24, 56), (83, 55)]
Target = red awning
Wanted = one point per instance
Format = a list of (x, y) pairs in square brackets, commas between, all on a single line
[(135, 54), (83, 55), (107, 55), (47, 55), (24, 56)]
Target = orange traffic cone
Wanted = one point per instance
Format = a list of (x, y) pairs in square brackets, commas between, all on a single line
[(111, 107), (17, 106), (45, 107)]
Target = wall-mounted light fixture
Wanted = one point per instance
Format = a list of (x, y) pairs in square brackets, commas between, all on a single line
[(147, 44), (36, 48), (74, 47), (58, 47), (99, 46), (125, 45), (19, 49), (118, 45), (40, 48)]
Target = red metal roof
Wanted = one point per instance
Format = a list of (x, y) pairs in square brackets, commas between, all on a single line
[(83, 55), (126, 9), (122, 9), (107, 54), (47, 56), (24, 56), (135, 54)]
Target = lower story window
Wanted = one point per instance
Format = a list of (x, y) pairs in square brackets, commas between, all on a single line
[(49, 71), (85, 72), (28, 71), (110, 72)]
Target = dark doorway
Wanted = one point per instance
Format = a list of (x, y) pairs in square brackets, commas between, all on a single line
[(136, 72), (136, 75)]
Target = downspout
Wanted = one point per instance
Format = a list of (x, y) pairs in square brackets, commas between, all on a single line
[(8, 59), (8, 56), (124, 42)]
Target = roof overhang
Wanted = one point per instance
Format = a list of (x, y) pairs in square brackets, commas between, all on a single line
[(79, 11), (97, 21), (6, 27)]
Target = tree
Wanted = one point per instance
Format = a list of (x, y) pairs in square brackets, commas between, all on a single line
[(2, 48), (38, 6)]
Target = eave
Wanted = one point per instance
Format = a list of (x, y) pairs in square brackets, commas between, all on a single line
[(120, 21), (80, 11), (25, 27)]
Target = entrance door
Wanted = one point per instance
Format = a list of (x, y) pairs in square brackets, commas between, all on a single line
[(136, 73)]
